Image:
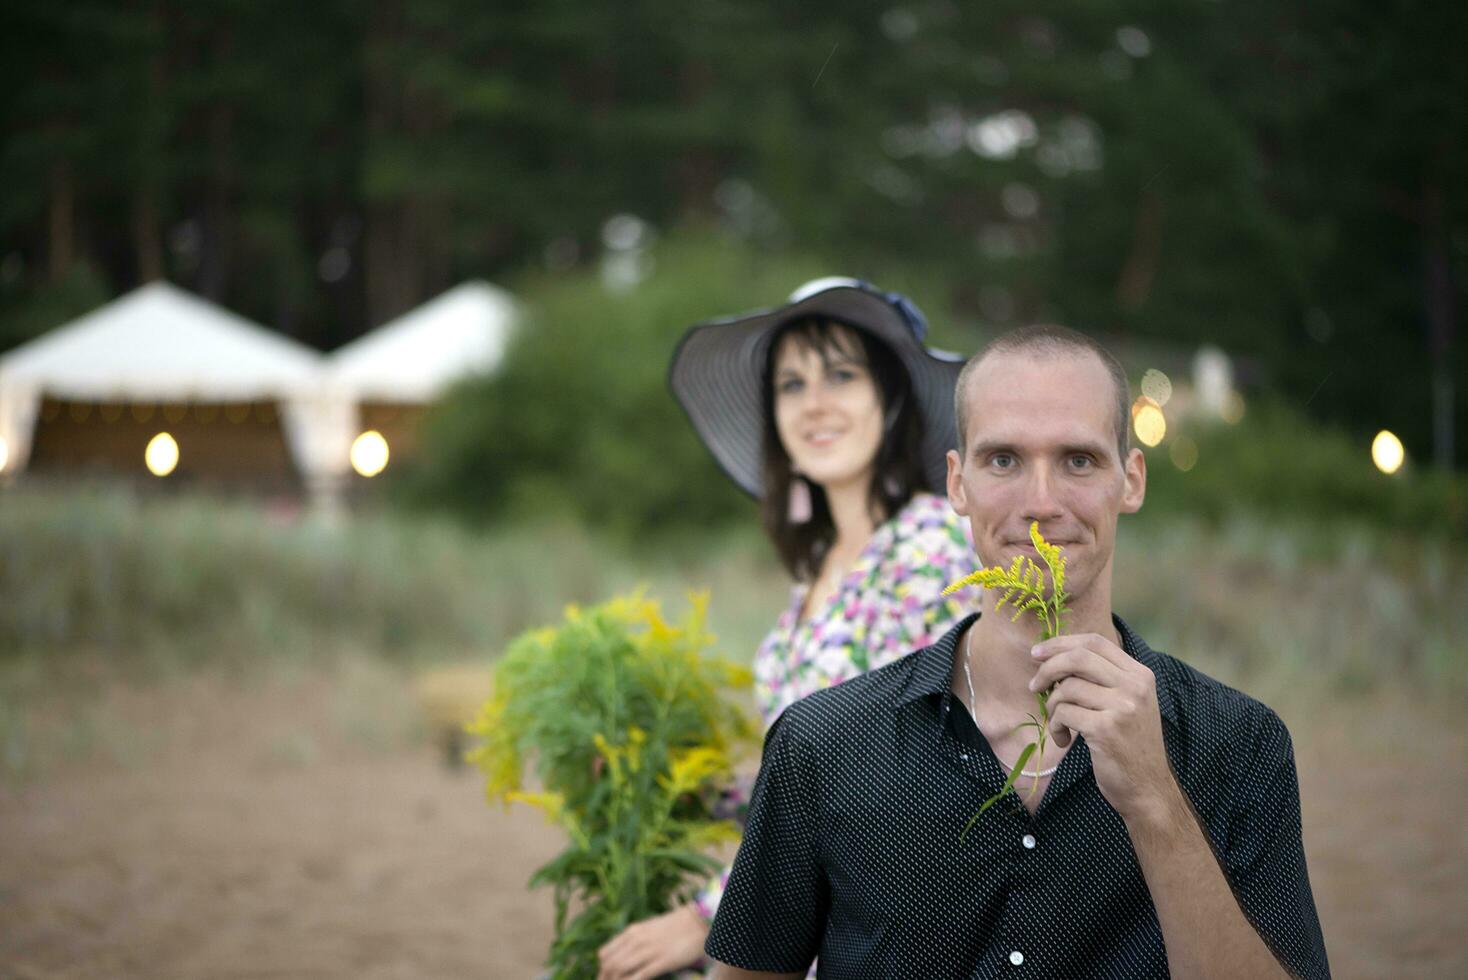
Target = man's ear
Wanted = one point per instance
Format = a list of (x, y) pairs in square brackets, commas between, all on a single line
[(1135, 490), (957, 499)]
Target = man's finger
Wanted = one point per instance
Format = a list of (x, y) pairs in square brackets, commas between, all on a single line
[(1078, 662), (1082, 692), (1102, 646), (1069, 718)]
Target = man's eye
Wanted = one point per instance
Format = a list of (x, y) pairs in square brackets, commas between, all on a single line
[(1001, 461), (1080, 462)]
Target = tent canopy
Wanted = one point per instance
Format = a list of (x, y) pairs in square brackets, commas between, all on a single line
[(416, 356), (159, 343)]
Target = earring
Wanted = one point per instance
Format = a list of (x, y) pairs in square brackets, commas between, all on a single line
[(798, 507), (892, 485)]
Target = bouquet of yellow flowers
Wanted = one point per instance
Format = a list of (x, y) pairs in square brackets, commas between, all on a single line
[(624, 723)]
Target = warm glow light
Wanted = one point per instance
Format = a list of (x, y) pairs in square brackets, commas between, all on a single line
[(1148, 421), (4, 454), (1233, 408), (1184, 453), (369, 453), (1157, 386), (1387, 452), (161, 454)]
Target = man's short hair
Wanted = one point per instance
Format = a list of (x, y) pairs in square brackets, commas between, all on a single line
[(1046, 340)]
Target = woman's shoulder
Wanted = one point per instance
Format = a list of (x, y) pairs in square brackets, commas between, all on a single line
[(925, 539), (929, 515)]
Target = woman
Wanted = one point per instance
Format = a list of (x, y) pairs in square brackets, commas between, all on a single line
[(835, 416)]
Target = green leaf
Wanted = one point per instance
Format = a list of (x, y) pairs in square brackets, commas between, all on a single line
[(1014, 774)]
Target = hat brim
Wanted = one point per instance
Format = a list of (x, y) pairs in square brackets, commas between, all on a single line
[(717, 368)]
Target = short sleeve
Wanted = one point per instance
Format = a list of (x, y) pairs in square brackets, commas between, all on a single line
[(732, 804), (773, 910), (1265, 855)]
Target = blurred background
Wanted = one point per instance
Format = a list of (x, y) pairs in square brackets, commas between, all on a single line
[(332, 351)]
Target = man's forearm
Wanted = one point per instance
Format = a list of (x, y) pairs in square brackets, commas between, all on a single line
[(1206, 933)]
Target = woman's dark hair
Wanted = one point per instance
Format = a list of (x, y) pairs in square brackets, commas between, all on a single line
[(897, 472)]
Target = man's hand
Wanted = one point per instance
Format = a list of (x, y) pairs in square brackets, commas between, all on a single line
[(655, 946), (1111, 699)]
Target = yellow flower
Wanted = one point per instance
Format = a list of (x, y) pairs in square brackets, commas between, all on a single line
[(1015, 577), (1048, 551), (712, 835), (634, 608), (611, 753), (495, 756), (736, 675), (553, 805), (692, 767), (633, 749)]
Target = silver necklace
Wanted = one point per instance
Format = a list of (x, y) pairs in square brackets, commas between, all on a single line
[(969, 677)]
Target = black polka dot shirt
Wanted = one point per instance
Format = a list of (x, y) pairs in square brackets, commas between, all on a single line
[(852, 854)]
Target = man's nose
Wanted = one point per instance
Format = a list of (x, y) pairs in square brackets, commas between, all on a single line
[(1040, 503)]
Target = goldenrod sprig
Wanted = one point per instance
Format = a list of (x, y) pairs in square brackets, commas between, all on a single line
[(1023, 585)]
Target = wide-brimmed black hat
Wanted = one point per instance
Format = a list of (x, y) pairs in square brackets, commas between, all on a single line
[(718, 366)]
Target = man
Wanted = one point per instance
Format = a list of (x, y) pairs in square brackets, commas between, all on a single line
[(1158, 834)]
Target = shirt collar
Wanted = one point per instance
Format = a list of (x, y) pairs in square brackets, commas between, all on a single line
[(933, 666)]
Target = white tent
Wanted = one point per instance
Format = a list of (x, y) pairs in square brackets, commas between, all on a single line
[(161, 344), (415, 357), (412, 360)]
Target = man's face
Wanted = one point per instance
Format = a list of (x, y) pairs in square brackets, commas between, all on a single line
[(1042, 447)]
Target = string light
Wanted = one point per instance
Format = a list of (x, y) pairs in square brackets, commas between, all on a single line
[(1148, 421), (1387, 452), (161, 456), (369, 453)]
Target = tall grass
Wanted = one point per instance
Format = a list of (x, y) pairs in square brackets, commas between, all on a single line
[(167, 584), (1305, 610), (172, 582)]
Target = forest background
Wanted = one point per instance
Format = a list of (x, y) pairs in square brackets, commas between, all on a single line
[(1282, 180)]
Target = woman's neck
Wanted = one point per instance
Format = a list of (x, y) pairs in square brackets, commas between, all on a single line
[(851, 516)]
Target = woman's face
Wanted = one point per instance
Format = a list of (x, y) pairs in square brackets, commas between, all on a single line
[(828, 412)]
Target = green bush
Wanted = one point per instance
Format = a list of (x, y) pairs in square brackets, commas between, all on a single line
[(580, 420), (1278, 463)]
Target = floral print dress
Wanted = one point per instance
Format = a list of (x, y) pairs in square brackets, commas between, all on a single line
[(886, 606)]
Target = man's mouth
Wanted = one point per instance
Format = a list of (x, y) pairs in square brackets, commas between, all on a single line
[(1028, 545)]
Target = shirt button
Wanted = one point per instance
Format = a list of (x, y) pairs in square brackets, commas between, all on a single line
[(1029, 842), (1016, 957)]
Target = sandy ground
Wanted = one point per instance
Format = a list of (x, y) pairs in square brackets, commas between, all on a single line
[(262, 830)]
